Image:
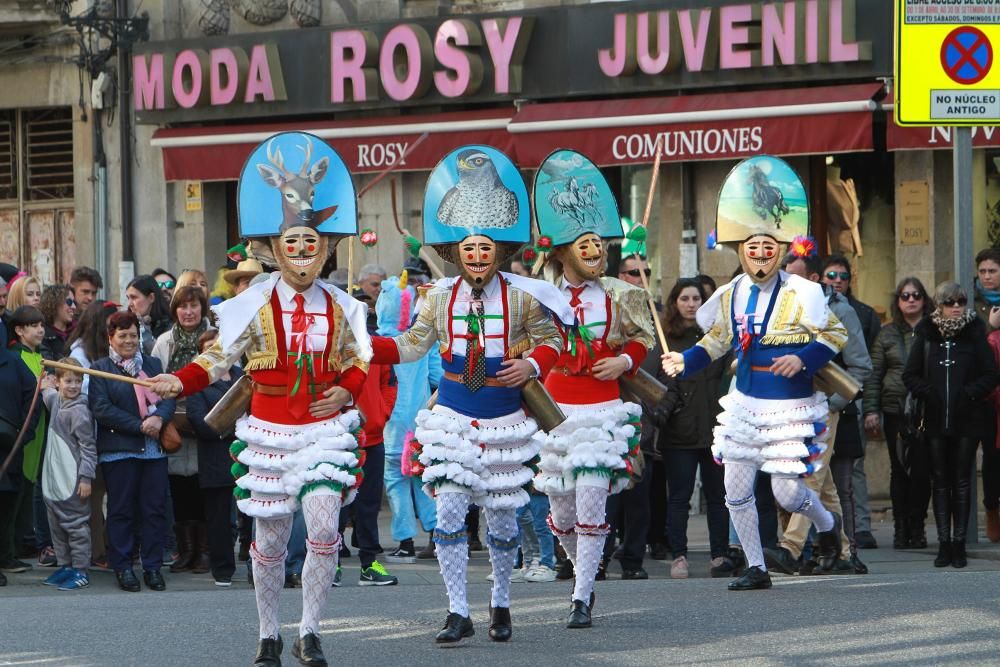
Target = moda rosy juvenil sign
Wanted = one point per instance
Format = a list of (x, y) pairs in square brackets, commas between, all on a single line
[(545, 54)]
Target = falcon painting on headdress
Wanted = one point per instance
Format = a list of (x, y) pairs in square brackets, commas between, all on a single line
[(480, 199)]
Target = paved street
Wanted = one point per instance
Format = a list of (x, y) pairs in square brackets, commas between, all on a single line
[(905, 613)]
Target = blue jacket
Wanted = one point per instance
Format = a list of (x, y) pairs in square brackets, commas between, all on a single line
[(116, 409), (19, 387), (213, 448)]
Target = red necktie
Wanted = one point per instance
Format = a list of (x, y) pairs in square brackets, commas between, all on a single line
[(298, 316), (574, 300), (298, 405)]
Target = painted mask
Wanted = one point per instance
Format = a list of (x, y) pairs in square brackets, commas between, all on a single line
[(586, 256), (477, 257), (759, 257), (300, 253)]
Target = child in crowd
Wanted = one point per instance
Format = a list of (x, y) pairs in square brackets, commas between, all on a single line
[(70, 465)]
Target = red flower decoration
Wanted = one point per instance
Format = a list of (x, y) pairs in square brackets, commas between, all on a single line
[(544, 242), (529, 255), (368, 238)]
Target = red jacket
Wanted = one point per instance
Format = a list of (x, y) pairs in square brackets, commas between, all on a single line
[(376, 401)]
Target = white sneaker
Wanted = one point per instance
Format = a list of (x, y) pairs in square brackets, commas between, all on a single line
[(517, 576), (540, 574)]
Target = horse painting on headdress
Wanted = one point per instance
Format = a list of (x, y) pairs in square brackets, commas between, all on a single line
[(767, 199)]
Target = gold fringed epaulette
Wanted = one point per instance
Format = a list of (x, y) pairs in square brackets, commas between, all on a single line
[(515, 351)]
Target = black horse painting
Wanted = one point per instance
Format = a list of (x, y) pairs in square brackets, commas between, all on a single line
[(767, 199)]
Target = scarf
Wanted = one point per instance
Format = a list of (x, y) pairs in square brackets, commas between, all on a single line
[(950, 327), (990, 296), (132, 367), (185, 346)]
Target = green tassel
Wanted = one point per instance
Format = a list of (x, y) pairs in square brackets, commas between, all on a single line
[(412, 245), (237, 448), (238, 470), (637, 234), (240, 494)]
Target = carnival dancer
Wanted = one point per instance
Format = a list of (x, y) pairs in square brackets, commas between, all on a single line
[(783, 333), (307, 353), (587, 457), (475, 444)]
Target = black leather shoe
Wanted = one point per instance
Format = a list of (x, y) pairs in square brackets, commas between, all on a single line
[(944, 554), (307, 651), (456, 628), (127, 581), (638, 573), (754, 579), (865, 540), (154, 580), (269, 652), (958, 555), (579, 615), (500, 627), (293, 580), (840, 566), (781, 559), (859, 567), (828, 544)]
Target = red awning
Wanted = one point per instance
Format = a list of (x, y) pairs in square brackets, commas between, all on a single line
[(899, 138), (369, 145), (832, 119)]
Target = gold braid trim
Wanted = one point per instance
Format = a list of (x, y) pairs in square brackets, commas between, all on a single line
[(786, 339), (265, 357), (516, 350)]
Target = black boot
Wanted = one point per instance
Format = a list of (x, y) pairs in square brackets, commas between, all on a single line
[(754, 579), (202, 561), (184, 530), (472, 527), (579, 615), (828, 544), (308, 651), (269, 652), (900, 533), (500, 627), (944, 554), (918, 535), (958, 555), (456, 628)]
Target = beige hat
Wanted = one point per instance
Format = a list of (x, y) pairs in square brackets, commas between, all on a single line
[(245, 269)]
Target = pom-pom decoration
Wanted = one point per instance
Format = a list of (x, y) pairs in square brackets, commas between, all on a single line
[(544, 243), (368, 238), (637, 234), (529, 256), (413, 245), (803, 246), (711, 242)]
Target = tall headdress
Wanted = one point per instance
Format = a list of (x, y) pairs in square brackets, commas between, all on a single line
[(571, 198), (476, 191), (762, 195)]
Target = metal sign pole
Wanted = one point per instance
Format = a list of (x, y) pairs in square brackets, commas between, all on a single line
[(962, 175)]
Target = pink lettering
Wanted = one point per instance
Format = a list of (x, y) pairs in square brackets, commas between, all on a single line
[(224, 74), (187, 77), (698, 42), (464, 73), (148, 88), (777, 34), (507, 40), (664, 34), (843, 48), (734, 35), (816, 32), (409, 76), (263, 80), (620, 59), (352, 71)]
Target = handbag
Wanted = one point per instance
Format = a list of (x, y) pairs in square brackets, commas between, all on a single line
[(914, 408), (170, 438)]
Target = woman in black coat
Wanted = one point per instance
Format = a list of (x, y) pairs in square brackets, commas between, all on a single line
[(215, 476), (952, 369)]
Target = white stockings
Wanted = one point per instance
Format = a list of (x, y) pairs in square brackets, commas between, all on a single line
[(268, 553), (795, 496), (453, 548), (578, 520), (502, 538), (321, 513)]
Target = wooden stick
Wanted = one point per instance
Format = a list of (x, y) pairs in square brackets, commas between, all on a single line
[(645, 224), (101, 374), (350, 265)]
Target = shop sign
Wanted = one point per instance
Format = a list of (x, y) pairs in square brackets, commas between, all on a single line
[(544, 54), (945, 69), (913, 203), (936, 137)]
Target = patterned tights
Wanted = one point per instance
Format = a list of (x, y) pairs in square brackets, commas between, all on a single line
[(579, 521)]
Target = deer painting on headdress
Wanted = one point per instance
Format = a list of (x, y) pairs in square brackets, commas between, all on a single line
[(297, 188)]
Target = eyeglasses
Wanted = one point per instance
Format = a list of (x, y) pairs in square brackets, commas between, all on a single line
[(911, 296), (167, 284), (843, 275), (961, 301), (71, 302), (635, 273)]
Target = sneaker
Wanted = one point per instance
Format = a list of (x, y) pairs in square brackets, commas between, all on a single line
[(337, 577), (634, 575), (47, 557), (517, 575), (376, 575), (404, 553), (679, 568), (76, 580), (56, 578), (170, 556), (100, 563), (223, 582), (15, 565), (540, 574)]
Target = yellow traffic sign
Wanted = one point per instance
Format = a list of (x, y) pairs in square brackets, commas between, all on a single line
[(947, 62)]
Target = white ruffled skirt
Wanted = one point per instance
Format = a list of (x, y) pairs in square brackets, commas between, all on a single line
[(489, 459), (782, 437), (278, 464), (591, 448)]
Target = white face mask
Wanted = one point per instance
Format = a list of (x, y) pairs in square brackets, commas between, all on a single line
[(300, 253)]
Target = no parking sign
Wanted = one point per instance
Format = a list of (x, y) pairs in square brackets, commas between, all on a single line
[(945, 72)]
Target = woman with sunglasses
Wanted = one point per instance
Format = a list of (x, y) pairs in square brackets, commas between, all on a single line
[(951, 368), (59, 310), (884, 395)]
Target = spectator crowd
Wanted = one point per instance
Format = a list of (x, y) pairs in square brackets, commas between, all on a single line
[(111, 477)]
